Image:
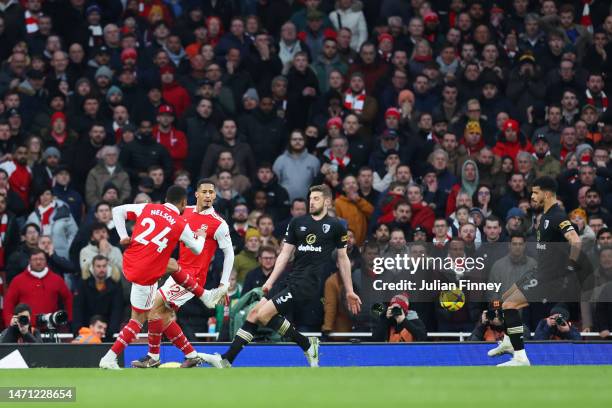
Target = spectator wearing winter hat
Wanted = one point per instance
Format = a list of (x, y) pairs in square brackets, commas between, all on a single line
[(512, 141), (173, 93), (472, 142), (64, 191), (557, 326), (545, 163), (171, 138), (58, 135), (42, 173), (129, 58), (398, 324), (515, 218), (103, 78), (385, 46), (388, 141), (114, 97), (579, 218), (246, 260)]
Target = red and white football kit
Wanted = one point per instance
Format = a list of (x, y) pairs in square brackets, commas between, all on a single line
[(158, 228), (217, 235)]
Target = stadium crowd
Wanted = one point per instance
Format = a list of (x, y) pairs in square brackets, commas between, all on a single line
[(428, 119)]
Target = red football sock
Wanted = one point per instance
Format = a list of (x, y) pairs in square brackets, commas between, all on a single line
[(155, 335), (174, 333), (188, 282), (127, 335)]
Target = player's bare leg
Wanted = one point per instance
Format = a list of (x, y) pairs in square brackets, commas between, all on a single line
[(266, 314), (126, 336), (512, 300), (162, 321)]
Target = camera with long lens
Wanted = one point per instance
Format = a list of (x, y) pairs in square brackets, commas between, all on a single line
[(52, 320), (378, 309), (23, 320)]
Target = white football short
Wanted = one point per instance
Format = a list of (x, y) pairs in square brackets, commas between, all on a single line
[(142, 296), (174, 295)]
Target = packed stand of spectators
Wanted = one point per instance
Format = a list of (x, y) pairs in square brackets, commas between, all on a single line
[(428, 119)]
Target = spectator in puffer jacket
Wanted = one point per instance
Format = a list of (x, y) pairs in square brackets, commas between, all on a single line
[(53, 217)]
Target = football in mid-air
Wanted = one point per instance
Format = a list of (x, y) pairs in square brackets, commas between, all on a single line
[(452, 300)]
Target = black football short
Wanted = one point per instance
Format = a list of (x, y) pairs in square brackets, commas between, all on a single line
[(546, 288), (285, 298)]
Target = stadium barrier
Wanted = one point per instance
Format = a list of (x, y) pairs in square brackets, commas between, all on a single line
[(459, 336), (332, 354)]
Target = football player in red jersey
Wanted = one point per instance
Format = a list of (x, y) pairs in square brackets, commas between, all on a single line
[(171, 296), (158, 228)]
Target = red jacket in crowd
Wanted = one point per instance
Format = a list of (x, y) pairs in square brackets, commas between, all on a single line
[(43, 295), (20, 179), (175, 142), (511, 149), (177, 97), (422, 215)]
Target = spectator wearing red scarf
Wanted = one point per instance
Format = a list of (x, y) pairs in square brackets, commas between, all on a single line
[(168, 136), (39, 287), (569, 142), (59, 135)]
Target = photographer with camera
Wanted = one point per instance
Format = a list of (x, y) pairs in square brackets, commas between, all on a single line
[(556, 326), (20, 330), (398, 324), (490, 327)]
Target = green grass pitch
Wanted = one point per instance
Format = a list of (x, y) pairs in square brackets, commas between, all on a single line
[(559, 387)]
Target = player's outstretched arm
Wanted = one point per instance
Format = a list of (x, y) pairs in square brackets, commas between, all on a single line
[(344, 264), (120, 215), (191, 241), (279, 267)]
